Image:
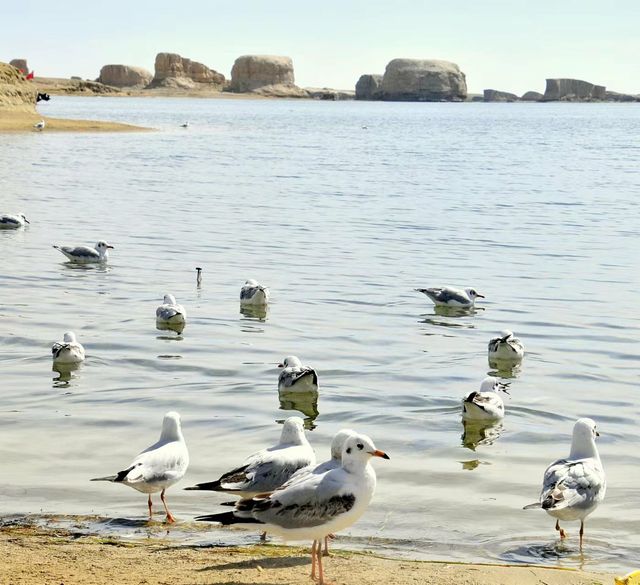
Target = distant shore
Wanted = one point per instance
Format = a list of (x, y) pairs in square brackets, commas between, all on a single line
[(38, 556)]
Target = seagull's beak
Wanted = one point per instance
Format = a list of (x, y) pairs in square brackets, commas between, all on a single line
[(110, 246), (480, 296), (378, 453), (26, 220), (281, 365), (597, 434)]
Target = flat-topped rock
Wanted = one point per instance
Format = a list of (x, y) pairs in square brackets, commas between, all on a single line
[(531, 96), (573, 90), (493, 95), (124, 76), (423, 80), (255, 72), (15, 92), (368, 86), (176, 69)]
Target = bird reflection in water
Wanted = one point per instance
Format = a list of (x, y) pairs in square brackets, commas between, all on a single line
[(505, 368), (480, 433), (304, 402), (164, 326), (65, 374), (254, 312)]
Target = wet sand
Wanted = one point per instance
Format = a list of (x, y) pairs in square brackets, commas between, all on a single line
[(19, 121), (38, 556)]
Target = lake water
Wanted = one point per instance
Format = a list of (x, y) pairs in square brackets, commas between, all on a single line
[(342, 209)]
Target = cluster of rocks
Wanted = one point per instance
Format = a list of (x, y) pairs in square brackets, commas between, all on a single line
[(15, 92), (414, 80), (172, 70), (562, 90)]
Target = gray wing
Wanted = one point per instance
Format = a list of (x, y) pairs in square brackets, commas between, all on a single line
[(9, 220), (80, 251), (572, 484), (494, 344), (57, 349), (269, 476), (445, 295), (289, 377), (166, 312), (247, 292)]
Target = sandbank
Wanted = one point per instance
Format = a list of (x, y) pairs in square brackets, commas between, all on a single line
[(20, 121)]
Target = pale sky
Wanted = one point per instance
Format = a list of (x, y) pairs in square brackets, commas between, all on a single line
[(511, 45)]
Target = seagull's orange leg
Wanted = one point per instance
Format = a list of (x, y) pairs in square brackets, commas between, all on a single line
[(150, 508), (320, 568), (326, 552), (581, 532), (313, 560), (170, 517), (563, 534)]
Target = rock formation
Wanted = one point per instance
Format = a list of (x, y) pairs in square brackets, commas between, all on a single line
[(15, 92), (421, 80), (20, 65), (266, 75), (573, 90), (614, 96), (172, 70), (531, 96), (368, 86), (493, 95), (124, 76)]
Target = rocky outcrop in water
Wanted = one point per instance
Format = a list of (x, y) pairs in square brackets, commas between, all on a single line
[(573, 90), (269, 75), (326, 93), (172, 70), (421, 80), (20, 65), (614, 96), (531, 96), (493, 95), (368, 86), (15, 92), (124, 76)]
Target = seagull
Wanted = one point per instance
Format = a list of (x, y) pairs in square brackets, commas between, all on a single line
[(159, 466), (69, 351), (318, 504), (253, 293), (269, 468), (573, 487), (40, 125), (485, 404), (506, 347), (12, 222), (85, 254), (171, 312), (296, 377), (452, 297), (185, 125)]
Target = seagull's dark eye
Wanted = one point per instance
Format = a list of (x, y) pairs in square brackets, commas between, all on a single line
[(348, 449), (360, 446)]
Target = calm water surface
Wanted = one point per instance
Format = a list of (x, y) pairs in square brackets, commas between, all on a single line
[(342, 209)]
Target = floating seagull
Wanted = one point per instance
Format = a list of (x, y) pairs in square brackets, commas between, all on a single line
[(171, 312), (85, 254), (12, 222), (158, 467), (318, 504), (267, 469), (506, 347), (185, 125), (573, 487), (452, 297), (296, 377), (485, 404), (253, 293), (40, 125), (69, 351)]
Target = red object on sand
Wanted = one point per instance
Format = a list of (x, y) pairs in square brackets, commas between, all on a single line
[(30, 76)]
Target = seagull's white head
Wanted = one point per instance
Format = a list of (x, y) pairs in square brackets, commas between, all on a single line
[(583, 443), (169, 300), (171, 430), (102, 247), (338, 443), (491, 384), (506, 334), (251, 282), (293, 431), (473, 294), (69, 337), (291, 361), (357, 451), (24, 217)]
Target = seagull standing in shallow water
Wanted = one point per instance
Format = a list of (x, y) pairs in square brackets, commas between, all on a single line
[(295, 377), (506, 347), (452, 297), (485, 404), (317, 505), (159, 466), (40, 125), (12, 222), (573, 487), (85, 254), (69, 351)]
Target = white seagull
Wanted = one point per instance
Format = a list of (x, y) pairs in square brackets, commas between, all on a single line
[(506, 347), (573, 487), (69, 351), (158, 467), (40, 125), (485, 404), (12, 222), (253, 293), (295, 377), (452, 297), (85, 254), (171, 312), (318, 504), (267, 469)]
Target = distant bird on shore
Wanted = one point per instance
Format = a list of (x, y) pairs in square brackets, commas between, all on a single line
[(185, 125), (171, 312), (253, 293), (485, 404), (69, 351), (573, 487), (452, 297), (13, 222), (85, 254), (296, 377), (159, 466), (317, 505), (40, 125), (506, 347), (268, 469)]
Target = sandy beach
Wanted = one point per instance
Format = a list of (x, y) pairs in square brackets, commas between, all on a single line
[(35, 556), (17, 121)]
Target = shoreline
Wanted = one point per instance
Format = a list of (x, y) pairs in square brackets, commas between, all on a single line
[(35, 555), (21, 121)]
